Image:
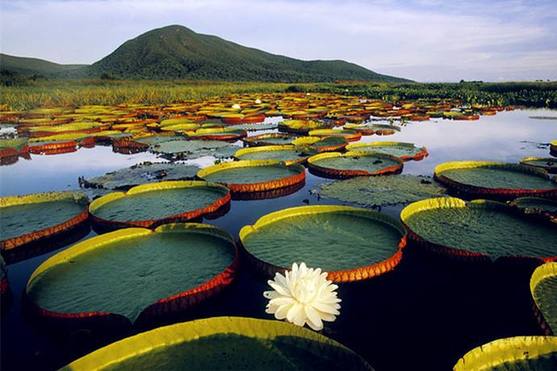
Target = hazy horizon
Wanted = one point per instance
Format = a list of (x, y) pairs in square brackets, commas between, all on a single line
[(423, 40)]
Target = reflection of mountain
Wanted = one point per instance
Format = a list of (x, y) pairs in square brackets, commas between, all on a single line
[(176, 52)]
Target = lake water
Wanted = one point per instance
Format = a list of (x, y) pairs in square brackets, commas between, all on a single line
[(424, 315)]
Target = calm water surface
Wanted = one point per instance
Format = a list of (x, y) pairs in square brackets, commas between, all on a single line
[(424, 315)]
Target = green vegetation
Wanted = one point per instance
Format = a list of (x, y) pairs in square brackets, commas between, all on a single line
[(530, 94), (29, 67), (71, 93), (176, 52)]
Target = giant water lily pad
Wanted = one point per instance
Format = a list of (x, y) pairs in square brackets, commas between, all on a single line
[(24, 219), (15, 143), (481, 229), (381, 190), (270, 139), (516, 353), (347, 242), (548, 164), (254, 127), (287, 153), (350, 164), (134, 270), (146, 172), (254, 175), (536, 206), (217, 134), (496, 179), (224, 343), (350, 135), (153, 140), (192, 149), (302, 126), (313, 145), (405, 151), (150, 204), (543, 286)]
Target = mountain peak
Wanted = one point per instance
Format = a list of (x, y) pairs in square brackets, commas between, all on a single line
[(177, 52)]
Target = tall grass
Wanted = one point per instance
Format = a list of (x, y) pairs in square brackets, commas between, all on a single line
[(71, 93)]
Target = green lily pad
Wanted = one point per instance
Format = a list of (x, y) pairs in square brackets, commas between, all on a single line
[(537, 206), (178, 200), (224, 343), (548, 164), (481, 228), (15, 143), (515, 353), (543, 286), (270, 139), (288, 154), (126, 271), (192, 149), (495, 178), (153, 140), (22, 215), (381, 190), (249, 172), (349, 164), (143, 173), (334, 238), (254, 127), (406, 151)]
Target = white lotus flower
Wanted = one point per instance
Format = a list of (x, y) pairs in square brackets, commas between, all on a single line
[(303, 295), (236, 106), (258, 101)]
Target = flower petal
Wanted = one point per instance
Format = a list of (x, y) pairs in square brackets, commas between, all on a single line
[(314, 318)]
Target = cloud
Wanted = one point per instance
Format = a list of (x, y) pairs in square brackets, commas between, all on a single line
[(426, 40)]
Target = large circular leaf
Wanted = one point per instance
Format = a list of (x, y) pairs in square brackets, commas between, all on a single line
[(270, 139), (516, 353), (495, 179), (146, 172), (286, 153), (24, 219), (254, 175), (405, 151), (547, 164), (350, 164), (157, 203), (350, 243), (372, 191), (133, 271), (480, 228), (224, 343), (543, 286)]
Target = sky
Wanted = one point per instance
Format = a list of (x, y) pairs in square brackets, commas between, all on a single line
[(423, 40)]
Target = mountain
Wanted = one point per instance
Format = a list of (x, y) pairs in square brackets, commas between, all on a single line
[(35, 66), (176, 52)]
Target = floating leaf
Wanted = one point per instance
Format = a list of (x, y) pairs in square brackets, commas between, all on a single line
[(381, 190)]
